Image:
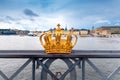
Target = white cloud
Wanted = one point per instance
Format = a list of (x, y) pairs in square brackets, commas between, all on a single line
[(4, 25), (102, 21), (39, 23), (45, 23), (50, 21)]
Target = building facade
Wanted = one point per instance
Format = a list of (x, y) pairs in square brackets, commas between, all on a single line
[(108, 30)]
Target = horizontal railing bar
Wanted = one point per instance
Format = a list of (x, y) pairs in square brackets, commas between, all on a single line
[(74, 54), (74, 51), (96, 51), (21, 51)]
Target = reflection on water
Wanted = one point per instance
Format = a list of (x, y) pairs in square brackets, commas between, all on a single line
[(32, 43)]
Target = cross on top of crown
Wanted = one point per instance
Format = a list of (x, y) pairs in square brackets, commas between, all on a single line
[(58, 28), (58, 25)]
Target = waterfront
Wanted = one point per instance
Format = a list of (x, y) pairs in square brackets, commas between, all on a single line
[(8, 66), (33, 43)]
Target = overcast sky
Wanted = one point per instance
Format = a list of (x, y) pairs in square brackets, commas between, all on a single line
[(45, 14)]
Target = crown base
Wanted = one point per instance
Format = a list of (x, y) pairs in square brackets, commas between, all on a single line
[(60, 51)]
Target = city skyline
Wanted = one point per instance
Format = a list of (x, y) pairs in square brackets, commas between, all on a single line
[(46, 14)]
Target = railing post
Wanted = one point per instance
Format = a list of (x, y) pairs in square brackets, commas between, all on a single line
[(33, 68), (83, 69)]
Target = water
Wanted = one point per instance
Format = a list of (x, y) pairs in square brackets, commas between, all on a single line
[(19, 43), (98, 43), (33, 43), (9, 66)]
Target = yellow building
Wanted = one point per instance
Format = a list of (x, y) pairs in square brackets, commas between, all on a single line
[(108, 30), (83, 32)]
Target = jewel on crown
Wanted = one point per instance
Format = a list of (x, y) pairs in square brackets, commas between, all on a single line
[(57, 44)]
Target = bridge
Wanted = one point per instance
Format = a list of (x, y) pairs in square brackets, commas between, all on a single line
[(76, 58)]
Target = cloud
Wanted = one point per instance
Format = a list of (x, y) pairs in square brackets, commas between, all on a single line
[(102, 21), (30, 13), (9, 18), (12, 25), (73, 13), (1, 20)]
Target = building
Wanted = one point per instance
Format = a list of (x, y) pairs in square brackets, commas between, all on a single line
[(13, 32), (83, 32), (21, 32), (92, 32), (108, 30), (7, 32)]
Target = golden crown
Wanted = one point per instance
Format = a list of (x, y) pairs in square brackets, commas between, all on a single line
[(58, 42)]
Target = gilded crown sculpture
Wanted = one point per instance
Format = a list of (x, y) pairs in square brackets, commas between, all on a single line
[(57, 44)]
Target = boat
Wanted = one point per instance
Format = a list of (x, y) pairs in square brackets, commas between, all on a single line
[(32, 34)]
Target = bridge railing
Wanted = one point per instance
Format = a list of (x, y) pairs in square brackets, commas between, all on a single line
[(76, 58)]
